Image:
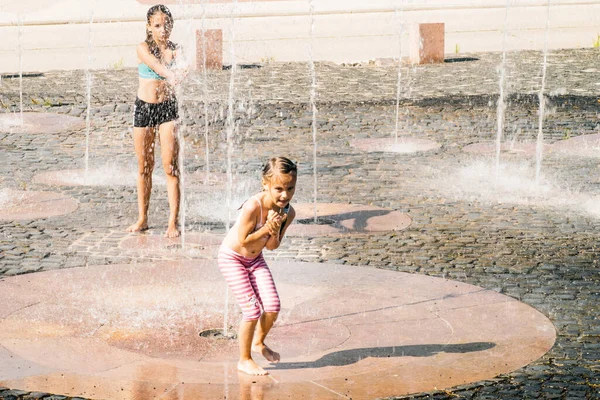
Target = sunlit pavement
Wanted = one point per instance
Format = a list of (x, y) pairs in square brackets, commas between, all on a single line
[(535, 243)]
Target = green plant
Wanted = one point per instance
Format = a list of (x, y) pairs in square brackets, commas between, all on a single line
[(118, 64), (456, 48), (597, 42), (267, 60), (567, 133)]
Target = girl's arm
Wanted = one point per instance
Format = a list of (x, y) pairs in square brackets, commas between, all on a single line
[(275, 240), (144, 55), (250, 213)]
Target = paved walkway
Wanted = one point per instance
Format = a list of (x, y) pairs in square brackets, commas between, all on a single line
[(540, 248)]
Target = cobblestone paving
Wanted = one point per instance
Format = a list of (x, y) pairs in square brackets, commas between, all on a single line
[(542, 251)]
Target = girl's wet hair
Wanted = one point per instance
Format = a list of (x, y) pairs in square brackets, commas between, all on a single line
[(282, 165), (152, 46)]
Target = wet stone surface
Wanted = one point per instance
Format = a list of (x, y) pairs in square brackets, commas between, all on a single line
[(541, 248)]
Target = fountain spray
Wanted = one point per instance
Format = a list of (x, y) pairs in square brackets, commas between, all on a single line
[(230, 128), (20, 41), (205, 91), (399, 15), (88, 91), (540, 137), (313, 95), (501, 105), (180, 131)]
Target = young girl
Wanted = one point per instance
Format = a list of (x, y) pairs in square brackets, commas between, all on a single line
[(156, 109), (261, 224)]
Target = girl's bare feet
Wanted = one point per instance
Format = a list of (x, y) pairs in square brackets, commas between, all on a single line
[(270, 355), (251, 368), (172, 231), (139, 226)]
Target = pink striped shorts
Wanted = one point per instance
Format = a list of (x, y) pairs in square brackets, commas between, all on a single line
[(251, 282)]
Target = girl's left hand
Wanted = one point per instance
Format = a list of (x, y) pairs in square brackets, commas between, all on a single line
[(275, 220)]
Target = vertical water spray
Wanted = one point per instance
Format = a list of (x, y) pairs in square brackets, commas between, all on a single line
[(501, 104), (540, 137), (398, 14), (230, 128), (205, 91), (313, 100), (181, 65), (20, 45), (88, 91)]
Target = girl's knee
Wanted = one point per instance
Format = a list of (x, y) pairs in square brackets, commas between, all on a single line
[(254, 316), (145, 171), (272, 306), (171, 170)]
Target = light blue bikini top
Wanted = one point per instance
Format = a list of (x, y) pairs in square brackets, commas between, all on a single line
[(144, 71)]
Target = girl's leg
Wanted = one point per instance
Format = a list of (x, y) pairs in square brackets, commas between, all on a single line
[(236, 276), (169, 150), (143, 142), (264, 286), (266, 322), (246, 363)]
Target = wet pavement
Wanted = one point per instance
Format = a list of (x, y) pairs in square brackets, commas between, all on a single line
[(538, 246)]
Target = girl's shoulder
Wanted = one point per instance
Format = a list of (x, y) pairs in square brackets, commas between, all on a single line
[(143, 47), (252, 204)]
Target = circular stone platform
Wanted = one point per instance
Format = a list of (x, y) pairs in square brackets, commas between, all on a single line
[(405, 145), (25, 205), (583, 146), (517, 148), (94, 177), (132, 332), (338, 218), (34, 122), (196, 244), (117, 176)]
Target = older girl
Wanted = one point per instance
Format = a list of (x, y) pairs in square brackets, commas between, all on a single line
[(156, 110)]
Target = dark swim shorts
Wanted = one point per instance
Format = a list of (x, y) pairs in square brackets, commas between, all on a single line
[(154, 114)]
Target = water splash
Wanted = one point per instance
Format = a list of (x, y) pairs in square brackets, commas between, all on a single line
[(313, 106), (515, 184), (540, 136)]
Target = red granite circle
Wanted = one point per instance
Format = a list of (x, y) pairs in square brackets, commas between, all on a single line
[(35, 122), (516, 148), (191, 244), (131, 331), (108, 176), (118, 176), (339, 218), (404, 145), (27, 205), (583, 146)]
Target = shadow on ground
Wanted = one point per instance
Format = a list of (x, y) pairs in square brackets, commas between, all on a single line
[(347, 357)]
